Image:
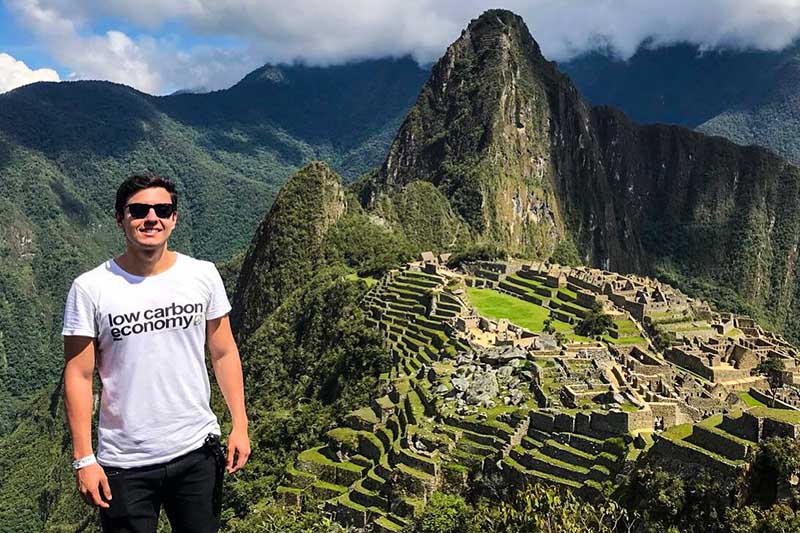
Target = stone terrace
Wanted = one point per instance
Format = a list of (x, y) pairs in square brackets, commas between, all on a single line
[(469, 396)]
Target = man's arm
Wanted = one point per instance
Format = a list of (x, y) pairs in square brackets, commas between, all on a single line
[(228, 371), (78, 373)]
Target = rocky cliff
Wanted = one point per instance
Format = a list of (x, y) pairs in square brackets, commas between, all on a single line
[(480, 132)]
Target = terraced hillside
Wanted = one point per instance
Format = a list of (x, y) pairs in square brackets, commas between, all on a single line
[(417, 438), (481, 395)]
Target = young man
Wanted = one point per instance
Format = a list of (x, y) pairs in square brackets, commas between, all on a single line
[(144, 319)]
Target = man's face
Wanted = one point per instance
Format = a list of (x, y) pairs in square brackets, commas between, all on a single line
[(149, 232)]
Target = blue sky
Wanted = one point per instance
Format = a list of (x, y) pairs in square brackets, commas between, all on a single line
[(20, 43), (158, 46)]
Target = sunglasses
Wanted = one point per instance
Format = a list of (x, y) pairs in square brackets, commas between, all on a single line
[(141, 210)]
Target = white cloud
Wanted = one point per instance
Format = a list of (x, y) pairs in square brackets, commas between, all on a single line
[(15, 73), (149, 64), (322, 32)]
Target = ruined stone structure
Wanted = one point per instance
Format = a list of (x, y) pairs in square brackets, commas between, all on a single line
[(471, 393)]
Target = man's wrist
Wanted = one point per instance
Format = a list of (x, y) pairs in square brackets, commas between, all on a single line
[(83, 462), (240, 424)]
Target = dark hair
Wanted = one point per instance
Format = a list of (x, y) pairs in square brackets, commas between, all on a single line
[(138, 182)]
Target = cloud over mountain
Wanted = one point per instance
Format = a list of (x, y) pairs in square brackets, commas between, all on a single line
[(322, 32), (15, 73)]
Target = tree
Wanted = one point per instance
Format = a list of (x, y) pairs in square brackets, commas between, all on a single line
[(566, 253), (595, 323), (773, 367), (543, 509), (444, 513)]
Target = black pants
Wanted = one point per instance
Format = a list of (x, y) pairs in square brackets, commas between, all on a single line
[(188, 487)]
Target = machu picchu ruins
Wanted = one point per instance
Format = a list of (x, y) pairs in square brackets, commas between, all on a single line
[(508, 389)]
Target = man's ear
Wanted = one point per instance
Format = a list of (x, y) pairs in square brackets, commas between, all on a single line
[(118, 218)]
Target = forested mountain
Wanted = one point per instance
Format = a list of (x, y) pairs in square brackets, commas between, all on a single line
[(748, 96), (65, 147), (528, 164)]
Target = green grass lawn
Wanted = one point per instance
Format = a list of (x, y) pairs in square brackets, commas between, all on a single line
[(749, 400), (678, 432), (496, 305), (783, 415), (687, 326), (625, 340)]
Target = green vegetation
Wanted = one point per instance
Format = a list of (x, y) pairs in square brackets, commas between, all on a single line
[(477, 252), (595, 323), (749, 400), (422, 213), (364, 245), (444, 514), (308, 206), (498, 305), (566, 253), (544, 509), (333, 362), (665, 500), (456, 140), (64, 148)]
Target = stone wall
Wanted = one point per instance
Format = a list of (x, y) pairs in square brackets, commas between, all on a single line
[(542, 421), (746, 426), (776, 428), (591, 287), (667, 412), (722, 374), (622, 422), (672, 452), (564, 422), (719, 444), (688, 361), (634, 308), (587, 299)]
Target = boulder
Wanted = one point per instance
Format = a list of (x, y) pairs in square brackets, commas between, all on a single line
[(483, 387), (460, 384)]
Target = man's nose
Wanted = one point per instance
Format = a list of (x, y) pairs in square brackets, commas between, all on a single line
[(151, 215)]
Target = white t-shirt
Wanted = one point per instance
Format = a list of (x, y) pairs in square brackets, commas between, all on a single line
[(151, 333)]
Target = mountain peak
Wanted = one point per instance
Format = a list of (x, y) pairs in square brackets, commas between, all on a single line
[(287, 245), (480, 131), (501, 21)]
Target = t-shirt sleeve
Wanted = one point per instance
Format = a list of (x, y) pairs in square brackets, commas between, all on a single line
[(218, 304), (79, 314)]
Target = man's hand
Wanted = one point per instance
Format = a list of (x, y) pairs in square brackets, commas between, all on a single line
[(238, 446), (91, 480)]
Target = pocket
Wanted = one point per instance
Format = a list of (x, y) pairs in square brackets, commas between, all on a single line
[(117, 482)]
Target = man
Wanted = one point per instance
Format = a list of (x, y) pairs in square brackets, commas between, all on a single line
[(144, 319)]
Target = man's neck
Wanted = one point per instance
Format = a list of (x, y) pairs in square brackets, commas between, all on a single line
[(146, 262)]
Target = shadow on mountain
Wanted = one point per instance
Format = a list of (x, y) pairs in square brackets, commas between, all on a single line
[(106, 119), (339, 105)]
